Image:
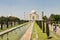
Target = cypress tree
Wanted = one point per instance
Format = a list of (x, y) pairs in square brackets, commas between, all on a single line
[(47, 30), (43, 27)]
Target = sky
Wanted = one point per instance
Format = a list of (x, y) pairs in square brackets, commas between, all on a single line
[(18, 7)]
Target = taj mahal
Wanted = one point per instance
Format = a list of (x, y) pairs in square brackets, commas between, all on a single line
[(32, 15)]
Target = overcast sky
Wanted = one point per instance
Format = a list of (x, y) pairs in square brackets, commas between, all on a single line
[(18, 7)]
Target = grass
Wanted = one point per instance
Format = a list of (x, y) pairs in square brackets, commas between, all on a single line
[(37, 31), (38, 35), (58, 25), (54, 36)]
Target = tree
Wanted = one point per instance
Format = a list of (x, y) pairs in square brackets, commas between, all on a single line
[(54, 17), (43, 25), (2, 21), (44, 18), (47, 30), (13, 19), (7, 21)]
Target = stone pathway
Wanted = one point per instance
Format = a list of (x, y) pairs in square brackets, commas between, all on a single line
[(28, 33), (58, 29)]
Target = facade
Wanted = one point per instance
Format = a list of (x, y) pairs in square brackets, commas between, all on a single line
[(33, 15)]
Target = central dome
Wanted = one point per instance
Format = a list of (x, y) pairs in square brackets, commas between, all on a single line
[(33, 11)]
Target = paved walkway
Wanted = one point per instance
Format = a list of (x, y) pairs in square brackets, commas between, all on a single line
[(28, 33), (58, 29)]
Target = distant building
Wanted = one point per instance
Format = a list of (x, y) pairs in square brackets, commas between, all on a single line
[(33, 15)]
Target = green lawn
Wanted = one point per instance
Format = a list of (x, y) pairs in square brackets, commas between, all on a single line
[(58, 25), (37, 32), (38, 35)]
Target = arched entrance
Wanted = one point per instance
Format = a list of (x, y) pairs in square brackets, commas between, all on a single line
[(34, 16)]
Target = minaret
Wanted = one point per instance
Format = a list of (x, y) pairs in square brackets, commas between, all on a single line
[(24, 15), (42, 14)]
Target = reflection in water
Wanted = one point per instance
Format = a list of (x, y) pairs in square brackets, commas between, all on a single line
[(15, 34)]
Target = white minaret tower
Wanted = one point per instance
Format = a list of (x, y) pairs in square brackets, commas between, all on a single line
[(24, 15), (42, 14)]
